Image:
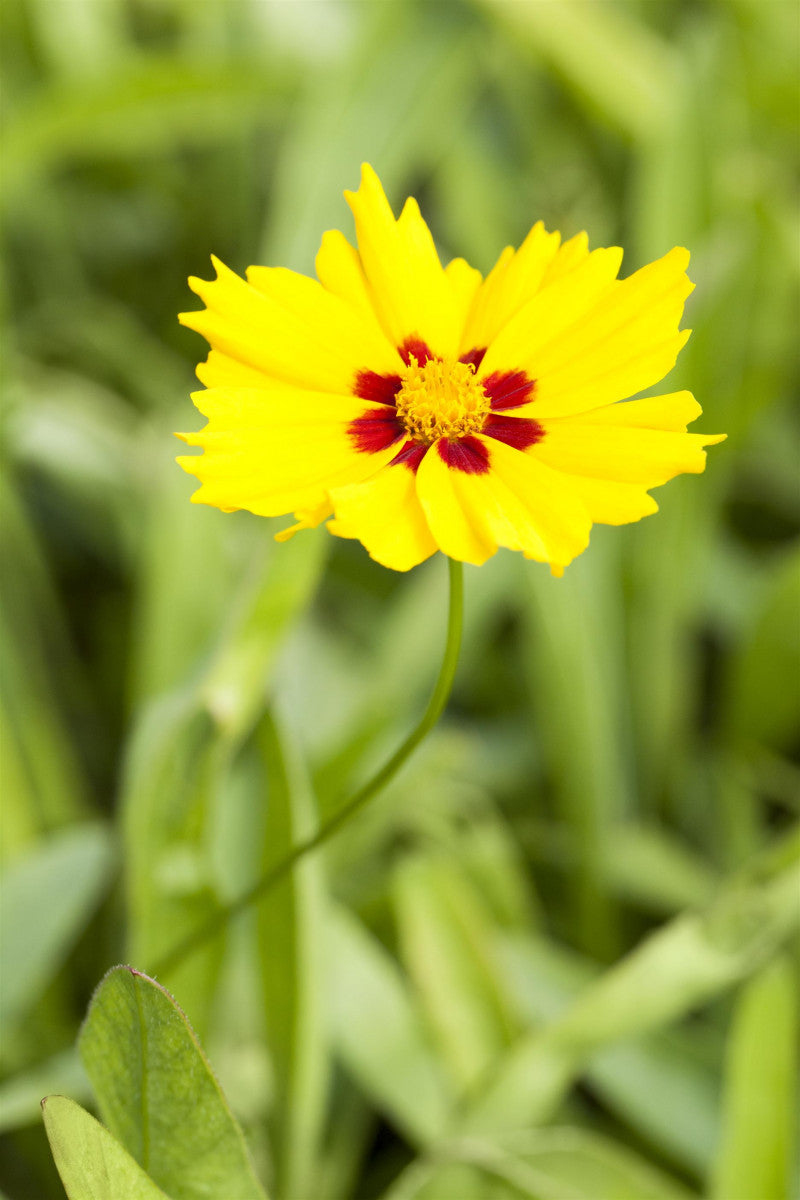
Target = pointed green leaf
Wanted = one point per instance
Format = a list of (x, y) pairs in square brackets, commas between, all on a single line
[(157, 1094), (379, 1033), (759, 1103), (90, 1160), (445, 935)]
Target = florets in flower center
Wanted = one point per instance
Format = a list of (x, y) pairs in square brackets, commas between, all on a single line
[(441, 399)]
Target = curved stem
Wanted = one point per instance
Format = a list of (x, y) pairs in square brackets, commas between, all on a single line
[(379, 780)]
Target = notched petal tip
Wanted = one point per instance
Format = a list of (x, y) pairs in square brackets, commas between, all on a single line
[(370, 190), (309, 518)]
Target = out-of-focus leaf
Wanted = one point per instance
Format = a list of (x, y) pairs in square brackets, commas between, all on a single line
[(21, 1095), (345, 119), (547, 1164), (608, 58), (654, 1083), (574, 655), (44, 774), (764, 695), (179, 765), (655, 871), (760, 1103), (291, 933), (157, 1094), (45, 900), (90, 1161), (379, 1033), (578, 1165), (445, 934), (175, 763), (684, 964), (141, 106), (678, 968)]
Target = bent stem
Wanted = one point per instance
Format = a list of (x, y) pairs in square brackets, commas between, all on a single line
[(379, 780)]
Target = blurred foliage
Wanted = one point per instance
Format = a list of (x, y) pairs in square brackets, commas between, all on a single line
[(544, 963)]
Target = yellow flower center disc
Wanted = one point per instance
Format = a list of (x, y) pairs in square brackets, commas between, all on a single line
[(441, 399)]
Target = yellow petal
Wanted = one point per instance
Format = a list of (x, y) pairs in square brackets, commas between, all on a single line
[(570, 255), (518, 503), (409, 289), (386, 516), (610, 503), (558, 308), (515, 279), (309, 518), (338, 326), (276, 450), (288, 327), (674, 410), (464, 283), (618, 450), (219, 370), (628, 342), (339, 270)]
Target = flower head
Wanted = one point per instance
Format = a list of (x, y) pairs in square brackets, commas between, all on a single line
[(425, 408)]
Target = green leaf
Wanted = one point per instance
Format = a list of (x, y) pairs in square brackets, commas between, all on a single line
[(684, 964), (45, 900), (764, 695), (681, 966), (182, 751), (445, 934), (291, 948), (608, 58), (574, 1164), (655, 1083), (90, 1160), (574, 654), (548, 1164), (143, 104), (42, 776), (379, 1032), (759, 1104), (157, 1094), (655, 870)]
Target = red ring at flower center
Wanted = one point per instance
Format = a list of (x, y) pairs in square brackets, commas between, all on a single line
[(442, 402)]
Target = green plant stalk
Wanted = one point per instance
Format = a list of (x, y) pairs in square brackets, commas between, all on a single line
[(371, 788)]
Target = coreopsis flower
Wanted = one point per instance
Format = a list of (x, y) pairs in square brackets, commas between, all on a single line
[(420, 408)]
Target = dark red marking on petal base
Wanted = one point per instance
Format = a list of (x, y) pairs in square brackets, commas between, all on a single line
[(411, 455), (416, 346), (468, 454), (376, 430), (509, 389), (369, 385), (475, 357), (519, 432)]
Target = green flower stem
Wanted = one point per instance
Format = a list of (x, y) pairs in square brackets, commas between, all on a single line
[(379, 780)]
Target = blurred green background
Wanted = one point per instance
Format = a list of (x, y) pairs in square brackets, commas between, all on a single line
[(566, 930)]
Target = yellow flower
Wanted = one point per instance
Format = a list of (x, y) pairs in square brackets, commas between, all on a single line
[(426, 408)]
